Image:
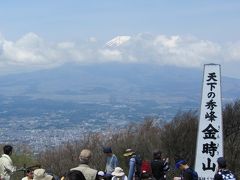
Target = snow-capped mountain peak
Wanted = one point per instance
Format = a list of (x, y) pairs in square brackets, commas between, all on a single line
[(117, 41)]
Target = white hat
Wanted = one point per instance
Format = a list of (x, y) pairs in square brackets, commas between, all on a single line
[(101, 173), (40, 174), (118, 172)]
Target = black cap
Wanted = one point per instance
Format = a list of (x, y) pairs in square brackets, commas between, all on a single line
[(221, 162), (107, 150)]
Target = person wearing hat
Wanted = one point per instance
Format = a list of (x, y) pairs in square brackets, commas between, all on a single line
[(132, 162), (6, 164), (101, 175), (223, 172), (84, 158), (187, 172), (29, 175), (118, 174), (111, 161), (40, 174)]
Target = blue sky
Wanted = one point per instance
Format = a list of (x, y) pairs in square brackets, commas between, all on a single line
[(72, 19), (37, 33)]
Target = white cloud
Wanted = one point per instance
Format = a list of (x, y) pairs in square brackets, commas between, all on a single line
[(233, 52), (169, 42), (28, 50), (92, 39), (66, 45), (109, 54), (33, 51)]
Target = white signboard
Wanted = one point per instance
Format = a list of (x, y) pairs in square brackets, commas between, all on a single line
[(210, 136)]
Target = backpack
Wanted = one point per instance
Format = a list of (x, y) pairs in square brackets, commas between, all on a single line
[(193, 173), (159, 168), (138, 164), (227, 175), (146, 170)]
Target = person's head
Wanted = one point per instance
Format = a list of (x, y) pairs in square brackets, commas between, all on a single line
[(181, 164), (222, 164), (128, 153), (101, 175), (74, 175), (29, 173), (40, 174), (157, 154), (7, 149), (107, 151), (85, 156), (118, 172)]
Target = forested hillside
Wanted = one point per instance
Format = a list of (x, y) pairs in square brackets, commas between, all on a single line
[(174, 138)]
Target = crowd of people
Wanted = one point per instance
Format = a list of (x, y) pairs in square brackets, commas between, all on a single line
[(138, 169)]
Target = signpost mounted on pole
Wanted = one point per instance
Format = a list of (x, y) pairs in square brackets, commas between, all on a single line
[(210, 129)]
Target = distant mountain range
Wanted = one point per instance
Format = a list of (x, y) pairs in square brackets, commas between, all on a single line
[(104, 82), (113, 84), (94, 97)]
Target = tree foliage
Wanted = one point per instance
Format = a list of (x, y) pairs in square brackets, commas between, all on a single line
[(231, 126), (174, 138)]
